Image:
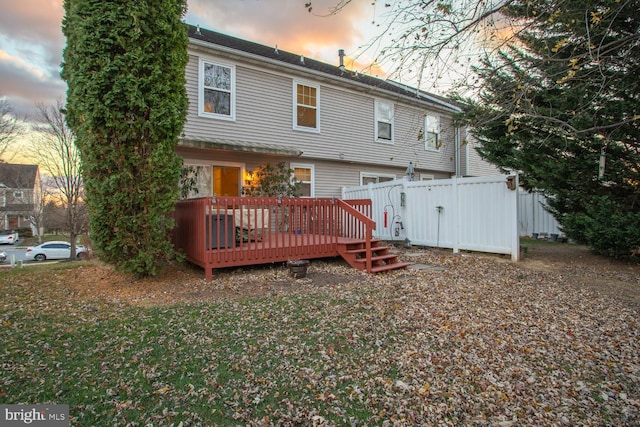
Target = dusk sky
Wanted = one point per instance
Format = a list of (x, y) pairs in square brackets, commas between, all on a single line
[(31, 40)]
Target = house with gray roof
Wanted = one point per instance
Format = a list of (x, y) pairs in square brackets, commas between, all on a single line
[(20, 195), (251, 104)]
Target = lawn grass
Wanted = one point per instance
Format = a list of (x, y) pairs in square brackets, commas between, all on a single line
[(478, 343), (201, 364), (540, 242)]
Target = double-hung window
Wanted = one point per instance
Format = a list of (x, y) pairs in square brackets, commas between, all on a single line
[(306, 107), (384, 121), (303, 174), (217, 97), (432, 132)]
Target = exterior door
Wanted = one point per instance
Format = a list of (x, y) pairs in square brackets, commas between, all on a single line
[(227, 181)]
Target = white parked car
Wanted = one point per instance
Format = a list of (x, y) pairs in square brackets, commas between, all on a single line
[(53, 250), (8, 237)]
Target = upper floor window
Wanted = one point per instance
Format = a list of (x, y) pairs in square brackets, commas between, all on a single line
[(384, 121), (432, 132), (303, 174), (217, 97), (18, 195), (306, 104)]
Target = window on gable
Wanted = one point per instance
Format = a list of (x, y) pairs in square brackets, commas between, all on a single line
[(306, 107), (18, 194), (217, 90), (384, 121), (304, 175), (432, 132)]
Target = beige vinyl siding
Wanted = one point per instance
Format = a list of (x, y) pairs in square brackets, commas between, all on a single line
[(444, 158), (463, 162), (330, 177), (191, 75), (474, 165), (346, 143), (263, 108), (409, 141), (352, 119), (347, 125)]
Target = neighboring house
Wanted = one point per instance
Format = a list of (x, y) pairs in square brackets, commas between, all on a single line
[(20, 194), (250, 104)]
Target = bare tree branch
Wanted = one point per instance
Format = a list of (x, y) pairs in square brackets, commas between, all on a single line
[(58, 156), (9, 127), (434, 43)]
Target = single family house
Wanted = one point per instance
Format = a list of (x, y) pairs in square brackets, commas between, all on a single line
[(20, 195)]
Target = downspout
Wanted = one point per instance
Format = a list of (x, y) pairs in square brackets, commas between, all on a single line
[(456, 138)]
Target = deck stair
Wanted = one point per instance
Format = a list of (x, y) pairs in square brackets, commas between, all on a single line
[(355, 253)]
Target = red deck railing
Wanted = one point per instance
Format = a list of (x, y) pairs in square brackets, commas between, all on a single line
[(216, 232)]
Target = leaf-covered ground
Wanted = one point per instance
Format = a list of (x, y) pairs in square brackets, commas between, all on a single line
[(464, 340)]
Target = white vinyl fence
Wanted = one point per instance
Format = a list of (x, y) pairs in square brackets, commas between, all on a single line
[(533, 218), (476, 214)]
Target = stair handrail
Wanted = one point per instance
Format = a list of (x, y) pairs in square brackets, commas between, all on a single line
[(369, 225)]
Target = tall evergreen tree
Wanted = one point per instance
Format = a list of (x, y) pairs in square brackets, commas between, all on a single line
[(561, 104), (124, 64)]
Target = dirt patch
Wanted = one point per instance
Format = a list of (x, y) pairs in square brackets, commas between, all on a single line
[(186, 283), (579, 267), (567, 265)]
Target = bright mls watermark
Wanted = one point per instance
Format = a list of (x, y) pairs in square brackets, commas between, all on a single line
[(34, 415)]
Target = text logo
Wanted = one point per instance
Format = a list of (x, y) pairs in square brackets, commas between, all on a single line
[(34, 415)]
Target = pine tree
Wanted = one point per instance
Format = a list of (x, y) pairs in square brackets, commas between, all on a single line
[(561, 104), (124, 64)]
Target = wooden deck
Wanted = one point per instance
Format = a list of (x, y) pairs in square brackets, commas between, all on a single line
[(235, 231), (276, 247)]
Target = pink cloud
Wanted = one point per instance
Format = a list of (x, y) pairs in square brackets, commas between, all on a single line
[(288, 24)]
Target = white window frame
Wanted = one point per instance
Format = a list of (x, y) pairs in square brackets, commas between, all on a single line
[(18, 194), (312, 183), (427, 177), (379, 118), (432, 125), (211, 164), (376, 175), (297, 83), (201, 88)]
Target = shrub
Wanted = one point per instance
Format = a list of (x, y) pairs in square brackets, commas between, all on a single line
[(270, 180), (124, 66), (606, 228)]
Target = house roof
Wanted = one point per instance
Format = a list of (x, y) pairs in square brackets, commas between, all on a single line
[(18, 176), (284, 58)]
